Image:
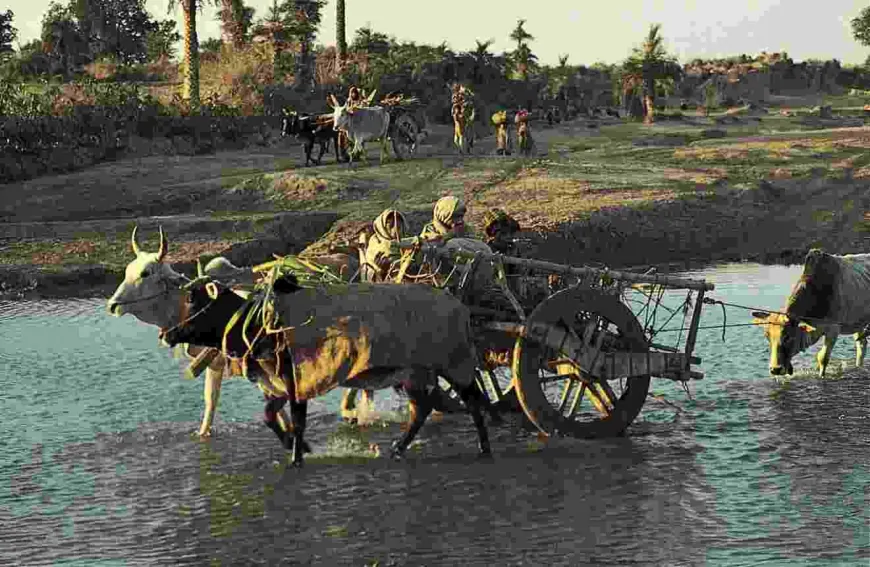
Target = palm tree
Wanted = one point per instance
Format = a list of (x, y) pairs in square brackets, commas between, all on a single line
[(340, 39), (190, 85), (650, 62), (481, 50), (482, 58), (523, 57), (304, 27), (235, 20)]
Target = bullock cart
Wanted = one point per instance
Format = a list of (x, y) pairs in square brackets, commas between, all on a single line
[(406, 123), (578, 345)]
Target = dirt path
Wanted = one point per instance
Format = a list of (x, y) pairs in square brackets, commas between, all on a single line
[(149, 186)]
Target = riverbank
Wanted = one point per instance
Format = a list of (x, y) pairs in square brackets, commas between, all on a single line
[(674, 196)]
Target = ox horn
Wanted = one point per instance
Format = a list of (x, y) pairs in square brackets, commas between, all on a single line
[(133, 241), (199, 272), (761, 314), (161, 252)]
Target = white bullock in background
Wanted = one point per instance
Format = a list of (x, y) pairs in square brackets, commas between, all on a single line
[(362, 124)]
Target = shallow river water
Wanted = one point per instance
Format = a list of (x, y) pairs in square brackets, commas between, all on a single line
[(98, 465)]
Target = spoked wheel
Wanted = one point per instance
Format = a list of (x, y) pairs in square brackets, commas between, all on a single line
[(405, 136), (571, 332)]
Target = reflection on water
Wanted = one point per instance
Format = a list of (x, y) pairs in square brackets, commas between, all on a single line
[(98, 467)]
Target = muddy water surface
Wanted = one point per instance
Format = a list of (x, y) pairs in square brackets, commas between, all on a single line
[(98, 465)]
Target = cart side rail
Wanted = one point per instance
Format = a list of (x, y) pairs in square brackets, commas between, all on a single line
[(667, 281)]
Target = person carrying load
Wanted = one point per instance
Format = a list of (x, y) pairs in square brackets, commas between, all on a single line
[(524, 136), (499, 119)]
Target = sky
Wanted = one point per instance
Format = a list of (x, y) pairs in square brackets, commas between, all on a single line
[(588, 31)]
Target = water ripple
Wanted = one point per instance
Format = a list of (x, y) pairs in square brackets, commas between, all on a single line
[(98, 464)]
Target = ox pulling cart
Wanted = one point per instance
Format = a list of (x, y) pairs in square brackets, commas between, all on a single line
[(574, 348)]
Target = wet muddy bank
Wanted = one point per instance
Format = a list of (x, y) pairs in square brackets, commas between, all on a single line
[(774, 223), (771, 224)]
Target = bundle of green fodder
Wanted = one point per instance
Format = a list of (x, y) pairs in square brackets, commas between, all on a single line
[(261, 294), (307, 273)]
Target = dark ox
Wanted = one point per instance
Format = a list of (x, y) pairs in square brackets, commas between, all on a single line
[(312, 129), (832, 297), (295, 372)]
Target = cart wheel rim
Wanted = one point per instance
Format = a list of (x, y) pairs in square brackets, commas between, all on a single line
[(405, 136), (555, 392)]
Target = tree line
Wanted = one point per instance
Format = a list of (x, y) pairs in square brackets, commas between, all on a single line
[(83, 31)]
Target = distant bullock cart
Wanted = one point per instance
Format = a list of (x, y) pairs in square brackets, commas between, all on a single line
[(832, 297), (396, 120)]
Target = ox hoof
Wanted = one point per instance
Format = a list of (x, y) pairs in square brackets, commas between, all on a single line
[(485, 450), (203, 435), (297, 464)]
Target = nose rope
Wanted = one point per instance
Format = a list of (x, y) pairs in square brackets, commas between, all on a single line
[(711, 301), (188, 319)]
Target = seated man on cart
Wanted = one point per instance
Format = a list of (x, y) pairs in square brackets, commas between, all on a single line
[(500, 230), (376, 264)]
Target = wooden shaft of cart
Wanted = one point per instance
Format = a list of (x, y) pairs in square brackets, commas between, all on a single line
[(667, 281)]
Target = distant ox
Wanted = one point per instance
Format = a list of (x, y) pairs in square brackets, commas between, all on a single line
[(832, 297), (311, 130), (362, 124)]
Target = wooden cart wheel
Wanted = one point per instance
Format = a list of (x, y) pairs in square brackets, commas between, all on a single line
[(555, 391), (404, 136)]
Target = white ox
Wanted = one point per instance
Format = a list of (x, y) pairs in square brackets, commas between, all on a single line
[(832, 297), (362, 124), (151, 292)]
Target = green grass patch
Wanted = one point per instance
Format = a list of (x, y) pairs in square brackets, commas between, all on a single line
[(823, 216), (114, 253), (258, 219), (230, 500), (362, 193), (336, 531)]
